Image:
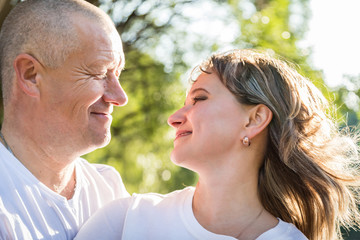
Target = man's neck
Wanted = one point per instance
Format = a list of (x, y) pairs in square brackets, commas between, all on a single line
[(50, 167)]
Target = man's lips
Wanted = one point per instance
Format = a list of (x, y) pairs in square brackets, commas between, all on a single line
[(182, 133), (102, 111), (103, 115)]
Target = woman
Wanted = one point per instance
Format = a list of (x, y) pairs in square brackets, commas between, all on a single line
[(271, 164)]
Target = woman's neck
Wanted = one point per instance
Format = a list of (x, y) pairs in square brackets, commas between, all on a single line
[(229, 208)]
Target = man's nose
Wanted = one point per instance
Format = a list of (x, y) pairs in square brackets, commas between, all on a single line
[(114, 93)]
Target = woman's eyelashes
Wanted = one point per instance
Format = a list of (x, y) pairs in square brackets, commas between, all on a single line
[(198, 98)]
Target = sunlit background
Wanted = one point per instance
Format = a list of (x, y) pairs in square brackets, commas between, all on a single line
[(335, 38)]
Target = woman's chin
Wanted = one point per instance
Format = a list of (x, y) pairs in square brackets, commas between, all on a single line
[(176, 159)]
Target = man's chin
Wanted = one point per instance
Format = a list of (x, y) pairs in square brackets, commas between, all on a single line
[(100, 141)]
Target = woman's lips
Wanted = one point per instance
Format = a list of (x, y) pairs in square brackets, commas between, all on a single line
[(182, 133)]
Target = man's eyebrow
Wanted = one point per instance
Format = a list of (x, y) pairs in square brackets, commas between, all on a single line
[(108, 63), (120, 66), (97, 64)]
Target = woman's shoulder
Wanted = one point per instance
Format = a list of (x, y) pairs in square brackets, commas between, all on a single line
[(156, 199), (283, 231)]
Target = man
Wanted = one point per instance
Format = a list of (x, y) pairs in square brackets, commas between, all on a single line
[(60, 63)]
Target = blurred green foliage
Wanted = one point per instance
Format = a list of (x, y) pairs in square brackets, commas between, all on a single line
[(141, 139)]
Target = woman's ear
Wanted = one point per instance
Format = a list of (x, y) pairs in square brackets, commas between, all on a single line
[(259, 118), (27, 74)]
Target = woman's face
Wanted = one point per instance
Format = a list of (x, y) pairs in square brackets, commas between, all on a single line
[(210, 126)]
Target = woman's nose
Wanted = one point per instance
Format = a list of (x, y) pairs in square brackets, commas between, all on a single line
[(178, 118)]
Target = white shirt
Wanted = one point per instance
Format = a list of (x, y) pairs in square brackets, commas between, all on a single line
[(30, 210), (156, 216)]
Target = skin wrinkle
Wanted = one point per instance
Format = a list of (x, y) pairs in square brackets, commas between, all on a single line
[(97, 69)]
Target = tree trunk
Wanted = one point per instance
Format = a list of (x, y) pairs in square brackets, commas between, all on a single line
[(5, 8)]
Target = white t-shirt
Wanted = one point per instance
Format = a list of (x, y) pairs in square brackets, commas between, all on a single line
[(30, 210), (156, 216)]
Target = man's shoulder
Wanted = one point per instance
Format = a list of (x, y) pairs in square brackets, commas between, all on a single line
[(98, 172), (102, 176), (97, 167)]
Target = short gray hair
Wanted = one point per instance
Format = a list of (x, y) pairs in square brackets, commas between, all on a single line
[(44, 29)]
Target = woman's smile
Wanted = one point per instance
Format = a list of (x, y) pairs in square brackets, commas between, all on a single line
[(182, 133)]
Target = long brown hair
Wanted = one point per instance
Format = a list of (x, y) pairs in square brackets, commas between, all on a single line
[(310, 174)]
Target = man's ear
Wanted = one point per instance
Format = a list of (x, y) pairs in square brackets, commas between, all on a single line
[(27, 74), (259, 118)]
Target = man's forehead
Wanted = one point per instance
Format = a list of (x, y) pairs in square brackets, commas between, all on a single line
[(95, 27), (100, 42), (109, 59)]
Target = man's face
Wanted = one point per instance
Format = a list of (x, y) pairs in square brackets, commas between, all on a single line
[(77, 98)]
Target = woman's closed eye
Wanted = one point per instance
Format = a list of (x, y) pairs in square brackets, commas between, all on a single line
[(198, 98)]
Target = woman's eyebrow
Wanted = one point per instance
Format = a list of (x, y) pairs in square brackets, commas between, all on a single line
[(198, 89)]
